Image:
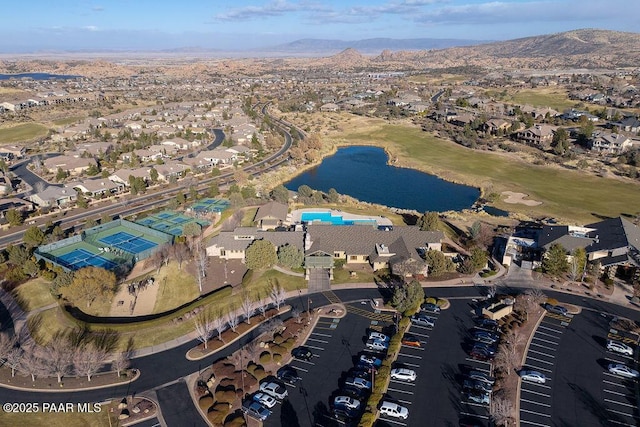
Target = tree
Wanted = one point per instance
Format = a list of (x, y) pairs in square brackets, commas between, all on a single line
[(30, 268), (296, 313), (61, 174), (408, 267), (429, 221), (271, 327), (90, 284), (88, 360), (13, 359), (534, 299), (58, 355), (290, 256), (560, 142), (555, 260), (180, 253), (121, 362), (18, 255), (333, 196), (248, 307), (14, 217), (407, 297), (213, 190), (33, 237), (438, 263), (218, 324), (192, 229), (507, 358), (501, 410), (305, 191), (232, 320), (277, 295), (280, 194), (578, 263), (204, 327), (475, 262), (260, 255), (153, 174)]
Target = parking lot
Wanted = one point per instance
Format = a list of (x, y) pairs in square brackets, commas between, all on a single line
[(536, 399)]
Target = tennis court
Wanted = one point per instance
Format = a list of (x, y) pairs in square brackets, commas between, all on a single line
[(80, 258), (210, 205), (128, 242), (170, 222)]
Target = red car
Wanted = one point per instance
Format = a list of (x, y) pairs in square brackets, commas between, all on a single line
[(411, 341)]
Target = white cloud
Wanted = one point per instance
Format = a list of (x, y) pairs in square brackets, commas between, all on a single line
[(90, 28)]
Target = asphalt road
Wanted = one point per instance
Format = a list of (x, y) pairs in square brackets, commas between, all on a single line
[(177, 407)]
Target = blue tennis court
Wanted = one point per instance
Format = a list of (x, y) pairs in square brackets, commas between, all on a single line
[(79, 258), (180, 220), (128, 242)]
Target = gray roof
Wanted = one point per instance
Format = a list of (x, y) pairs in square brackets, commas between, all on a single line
[(560, 234), (362, 239), (240, 238), (273, 210)]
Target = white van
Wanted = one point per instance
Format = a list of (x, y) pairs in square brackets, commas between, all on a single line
[(394, 410)]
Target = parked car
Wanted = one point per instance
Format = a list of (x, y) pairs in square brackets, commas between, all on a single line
[(255, 410), (377, 345), (360, 371), (369, 360), (480, 354), (484, 336), (471, 422), (346, 402), (411, 341), (532, 376), (478, 397), (265, 400), (346, 415), (430, 308), (486, 323), (421, 319), (302, 353), (378, 336), (403, 374), (274, 389), (619, 347), (358, 382), (491, 349), (481, 376), (359, 393), (394, 410), (557, 309), (622, 370), (288, 374), (470, 384)]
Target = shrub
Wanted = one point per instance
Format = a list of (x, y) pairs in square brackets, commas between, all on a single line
[(441, 302), (278, 339), (431, 300), (265, 357), (280, 349), (228, 395), (552, 301), (217, 413), (288, 345), (234, 420), (367, 419), (258, 373), (205, 402), (277, 357), (608, 282)]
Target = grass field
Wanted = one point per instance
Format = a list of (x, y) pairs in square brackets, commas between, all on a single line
[(58, 419), (175, 288), (34, 294), (543, 97), (571, 195), (22, 132), (67, 120), (247, 219)]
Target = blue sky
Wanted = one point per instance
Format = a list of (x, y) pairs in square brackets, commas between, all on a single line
[(30, 25)]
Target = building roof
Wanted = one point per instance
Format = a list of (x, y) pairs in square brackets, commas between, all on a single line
[(563, 235), (240, 238), (614, 233), (272, 210)]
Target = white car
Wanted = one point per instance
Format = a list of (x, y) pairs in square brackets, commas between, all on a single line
[(403, 374), (622, 370), (378, 336), (394, 410), (265, 400), (275, 390), (533, 376), (346, 402), (377, 345), (618, 347)]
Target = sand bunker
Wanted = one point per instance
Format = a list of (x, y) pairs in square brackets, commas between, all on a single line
[(514, 198)]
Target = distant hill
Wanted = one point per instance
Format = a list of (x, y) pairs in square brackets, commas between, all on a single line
[(367, 46)]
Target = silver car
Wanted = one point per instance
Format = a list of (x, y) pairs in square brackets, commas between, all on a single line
[(622, 370), (618, 347), (533, 376)]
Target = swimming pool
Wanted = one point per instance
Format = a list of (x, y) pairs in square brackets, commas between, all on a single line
[(327, 217)]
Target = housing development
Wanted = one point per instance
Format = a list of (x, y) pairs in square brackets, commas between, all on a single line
[(159, 268)]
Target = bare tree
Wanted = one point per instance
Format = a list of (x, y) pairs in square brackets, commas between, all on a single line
[(13, 359), (507, 358), (121, 362), (277, 295), (295, 313), (491, 291), (535, 298), (204, 327), (262, 308), (59, 357), (218, 324), (252, 349), (501, 410), (202, 262), (575, 268), (271, 327), (180, 253), (32, 364), (7, 344), (88, 360), (232, 320), (248, 307)]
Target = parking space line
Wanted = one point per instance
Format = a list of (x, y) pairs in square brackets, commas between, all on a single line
[(635, 417), (304, 361), (616, 384), (315, 348), (394, 421), (610, 359), (322, 335), (403, 382), (546, 334), (419, 335), (300, 369), (317, 340), (410, 355), (543, 346), (537, 385), (540, 360), (537, 392), (412, 347), (533, 423), (535, 413), (557, 331), (478, 361), (539, 352), (624, 356), (543, 340), (405, 401), (470, 414), (617, 393), (615, 402), (616, 376), (473, 404), (621, 423), (421, 327), (546, 405), (400, 391), (410, 364), (538, 368)]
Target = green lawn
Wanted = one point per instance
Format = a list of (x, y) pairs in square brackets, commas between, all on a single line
[(67, 121), (34, 294), (571, 195), (247, 219), (556, 99), (22, 132), (175, 288), (57, 419)]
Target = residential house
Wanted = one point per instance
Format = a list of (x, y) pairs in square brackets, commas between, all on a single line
[(496, 127), (148, 155), (538, 135), (610, 143), (233, 244), (461, 119), (616, 243), (54, 196), (171, 169), (179, 143), (73, 165), (97, 187), (10, 152), (271, 216), (94, 148), (329, 107), (629, 124), (122, 176)]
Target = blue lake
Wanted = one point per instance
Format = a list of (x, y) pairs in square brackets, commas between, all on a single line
[(36, 76), (363, 173)]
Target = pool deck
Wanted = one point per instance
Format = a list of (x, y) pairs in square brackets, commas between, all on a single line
[(295, 216)]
